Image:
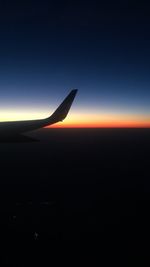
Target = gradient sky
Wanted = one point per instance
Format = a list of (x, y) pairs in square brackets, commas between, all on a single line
[(100, 47)]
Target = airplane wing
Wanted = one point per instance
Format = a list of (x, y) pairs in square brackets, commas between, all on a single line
[(62, 111), (18, 127)]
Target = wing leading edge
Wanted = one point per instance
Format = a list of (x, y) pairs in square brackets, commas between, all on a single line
[(18, 127)]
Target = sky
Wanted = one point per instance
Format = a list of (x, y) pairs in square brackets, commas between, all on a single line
[(100, 47)]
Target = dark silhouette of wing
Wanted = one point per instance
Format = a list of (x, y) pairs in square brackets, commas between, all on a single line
[(62, 111), (18, 127)]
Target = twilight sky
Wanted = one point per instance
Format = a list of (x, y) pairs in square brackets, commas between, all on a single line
[(100, 47)]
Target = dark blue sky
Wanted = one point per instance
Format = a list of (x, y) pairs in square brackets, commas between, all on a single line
[(100, 47)]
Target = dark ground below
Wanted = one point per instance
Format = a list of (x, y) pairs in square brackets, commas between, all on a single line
[(75, 192)]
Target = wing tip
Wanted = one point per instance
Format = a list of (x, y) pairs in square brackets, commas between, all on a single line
[(73, 92), (62, 111)]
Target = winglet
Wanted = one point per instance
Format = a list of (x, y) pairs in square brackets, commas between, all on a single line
[(61, 112)]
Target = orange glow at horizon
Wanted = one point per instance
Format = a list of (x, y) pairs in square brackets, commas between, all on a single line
[(111, 125), (104, 121), (83, 119)]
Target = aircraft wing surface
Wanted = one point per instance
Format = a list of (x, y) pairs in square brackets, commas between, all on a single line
[(18, 127)]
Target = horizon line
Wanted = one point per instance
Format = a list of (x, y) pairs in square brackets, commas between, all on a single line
[(98, 127)]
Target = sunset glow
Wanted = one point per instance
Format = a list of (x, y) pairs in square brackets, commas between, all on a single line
[(82, 120), (105, 120), (44, 56)]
